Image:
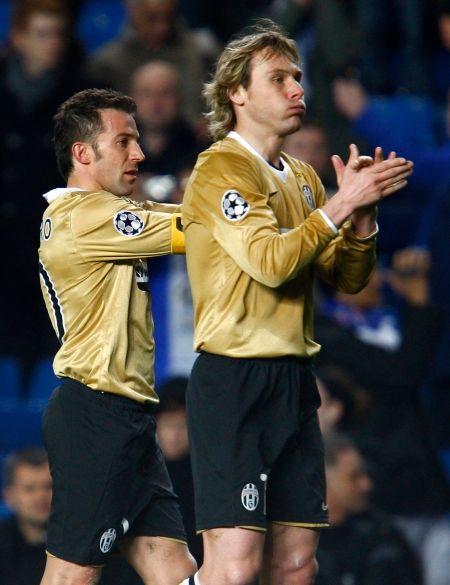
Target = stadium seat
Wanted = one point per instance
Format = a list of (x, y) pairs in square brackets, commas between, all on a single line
[(42, 383), (10, 375), (20, 428), (5, 14), (99, 21)]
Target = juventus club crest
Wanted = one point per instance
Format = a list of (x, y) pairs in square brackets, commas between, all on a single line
[(107, 540), (309, 197), (250, 497)]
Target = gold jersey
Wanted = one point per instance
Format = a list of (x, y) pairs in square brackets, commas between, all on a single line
[(94, 283), (255, 239)]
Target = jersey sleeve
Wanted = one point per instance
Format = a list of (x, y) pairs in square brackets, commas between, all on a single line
[(348, 262), (109, 228), (230, 198)]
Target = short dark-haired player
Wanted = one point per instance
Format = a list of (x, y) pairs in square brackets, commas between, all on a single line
[(111, 490)]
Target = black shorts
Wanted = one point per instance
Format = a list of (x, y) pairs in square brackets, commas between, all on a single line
[(256, 446), (109, 476)]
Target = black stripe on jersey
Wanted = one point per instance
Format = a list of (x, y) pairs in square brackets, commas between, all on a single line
[(56, 307)]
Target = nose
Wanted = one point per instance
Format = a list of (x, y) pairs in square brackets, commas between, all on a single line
[(296, 90), (137, 154)]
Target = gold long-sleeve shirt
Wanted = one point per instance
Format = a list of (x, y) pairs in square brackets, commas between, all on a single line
[(255, 239), (94, 282)]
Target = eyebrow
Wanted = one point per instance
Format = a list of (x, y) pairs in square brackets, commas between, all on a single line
[(296, 71), (128, 135)]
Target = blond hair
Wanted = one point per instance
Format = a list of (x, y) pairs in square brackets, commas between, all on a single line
[(234, 68)]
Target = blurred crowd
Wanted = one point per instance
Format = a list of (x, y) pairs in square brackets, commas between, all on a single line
[(375, 73)]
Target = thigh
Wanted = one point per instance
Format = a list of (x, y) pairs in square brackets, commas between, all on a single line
[(106, 468), (158, 561), (296, 488), (243, 416), (227, 407)]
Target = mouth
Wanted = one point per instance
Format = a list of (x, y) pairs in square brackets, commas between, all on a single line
[(132, 174), (298, 109)]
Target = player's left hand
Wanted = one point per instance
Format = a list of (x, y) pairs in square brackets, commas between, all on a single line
[(360, 162)]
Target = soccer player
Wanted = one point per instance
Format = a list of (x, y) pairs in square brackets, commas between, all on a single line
[(110, 484), (258, 229)]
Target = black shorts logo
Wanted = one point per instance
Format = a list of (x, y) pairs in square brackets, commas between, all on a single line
[(107, 540), (250, 497)]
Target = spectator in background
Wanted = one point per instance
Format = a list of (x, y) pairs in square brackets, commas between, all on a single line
[(167, 139), (40, 68), (411, 125), (344, 405), (440, 57), (386, 347), (311, 146), (362, 545), (173, 440), (393, 56), (27, 490), (153, 31), (408, 124), (434, 234)]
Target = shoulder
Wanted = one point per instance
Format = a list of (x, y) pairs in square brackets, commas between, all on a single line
[(299, 166), (226, 156)]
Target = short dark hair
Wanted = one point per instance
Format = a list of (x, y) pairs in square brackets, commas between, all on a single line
[(78, 119), (24, 10), (34, 456)]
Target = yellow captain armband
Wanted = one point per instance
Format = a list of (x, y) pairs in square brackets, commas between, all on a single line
[(178, 245)]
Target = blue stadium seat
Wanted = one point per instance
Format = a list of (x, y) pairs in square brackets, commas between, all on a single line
[(99, 21), (42, 383), (10, 376), (445, 458), (20, 428), (5, 16)]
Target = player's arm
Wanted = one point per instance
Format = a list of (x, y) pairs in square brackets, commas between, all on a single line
[(240, 218), (110, 228), (161, 207)]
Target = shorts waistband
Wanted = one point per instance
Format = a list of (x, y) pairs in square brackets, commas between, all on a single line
[(288, 359), (103, 395)]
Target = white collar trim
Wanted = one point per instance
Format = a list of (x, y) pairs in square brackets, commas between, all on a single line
[(282, 174), (55, 193)]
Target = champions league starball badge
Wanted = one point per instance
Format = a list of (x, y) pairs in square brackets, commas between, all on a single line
[(234, 206), (128, 223)]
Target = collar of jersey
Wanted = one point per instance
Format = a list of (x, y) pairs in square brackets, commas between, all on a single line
[(282, 174), (55, 193)]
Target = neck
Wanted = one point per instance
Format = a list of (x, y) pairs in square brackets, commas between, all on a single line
[(267, 145)]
